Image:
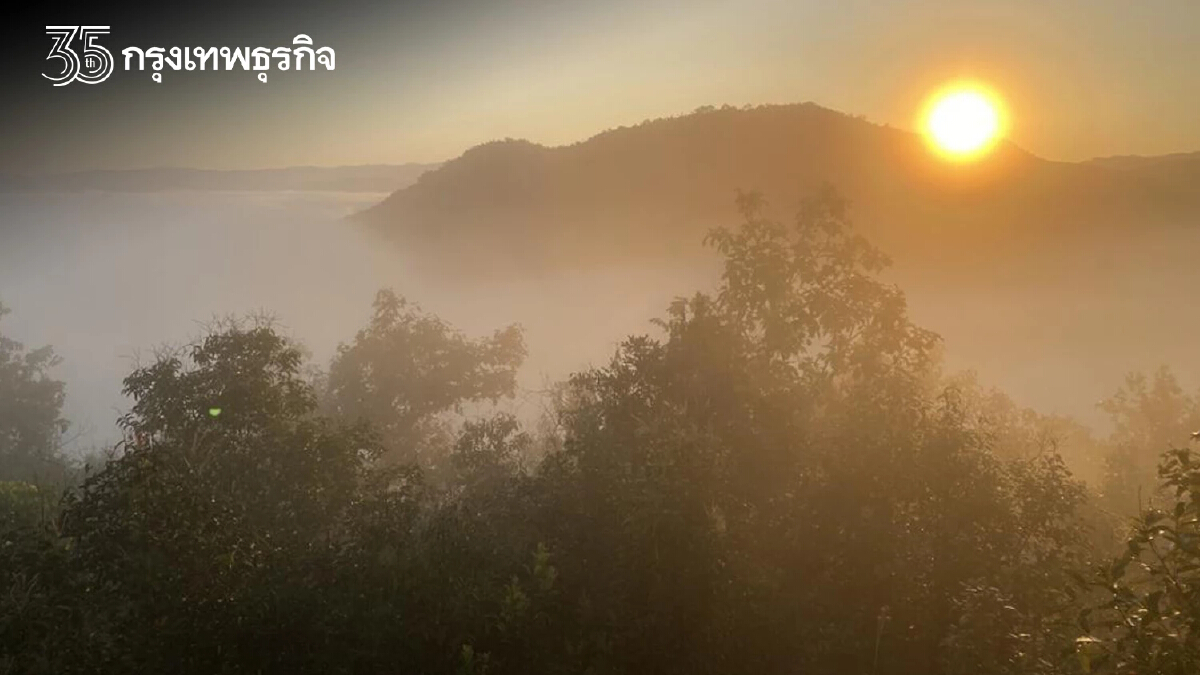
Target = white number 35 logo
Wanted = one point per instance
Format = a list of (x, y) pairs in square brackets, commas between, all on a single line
[(96, 63)]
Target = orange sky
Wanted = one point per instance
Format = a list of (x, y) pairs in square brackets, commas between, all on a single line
[(424, 81)]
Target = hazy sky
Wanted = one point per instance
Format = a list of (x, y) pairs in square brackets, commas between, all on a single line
[(423, 81)]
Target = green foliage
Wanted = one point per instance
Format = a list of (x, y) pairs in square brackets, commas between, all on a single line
[(779, 481), (406, 367), (808, 295), (199, 530), (761, 483), (23, 505), (31, 423), (1149, 416), (1146, 618)]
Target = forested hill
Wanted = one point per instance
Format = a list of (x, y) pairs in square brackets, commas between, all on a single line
[(654, 189)]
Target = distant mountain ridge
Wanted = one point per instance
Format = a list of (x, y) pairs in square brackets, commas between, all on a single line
[(1141, 161), (1180, 170), (656, 188), (365, 178)]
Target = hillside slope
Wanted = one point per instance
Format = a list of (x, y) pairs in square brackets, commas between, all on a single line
[(653, 190)]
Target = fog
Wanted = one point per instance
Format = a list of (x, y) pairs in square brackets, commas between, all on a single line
[(615, 483), (1062, 340), (720, 338), (106, 278)]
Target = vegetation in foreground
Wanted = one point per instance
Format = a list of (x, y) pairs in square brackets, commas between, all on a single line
[(782, 480)]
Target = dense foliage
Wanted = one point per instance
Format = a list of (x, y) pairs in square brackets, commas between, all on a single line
[(781, 480), (31, 423)]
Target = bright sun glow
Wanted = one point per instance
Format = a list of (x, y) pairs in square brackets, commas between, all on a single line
[(963, 122)]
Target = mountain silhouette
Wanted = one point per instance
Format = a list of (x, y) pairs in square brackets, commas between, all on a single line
[(653, 190)]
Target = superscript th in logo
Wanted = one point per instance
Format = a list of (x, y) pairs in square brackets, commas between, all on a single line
[(91, 65)]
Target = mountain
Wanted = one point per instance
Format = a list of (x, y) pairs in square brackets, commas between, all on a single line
[(1181, 170), (367, 178), (653, 191), (1174, 160), (1050, 279)]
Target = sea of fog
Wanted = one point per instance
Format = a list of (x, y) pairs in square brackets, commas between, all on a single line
[(107, 278)]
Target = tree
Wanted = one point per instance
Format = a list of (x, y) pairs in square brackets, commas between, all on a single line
[(1150, 415), (779, 480), (36, 602), (31, 422), (407, 367), (217, 524), (779, 485), (1146, 618)]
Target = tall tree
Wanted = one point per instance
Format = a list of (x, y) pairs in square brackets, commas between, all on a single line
[(218, 523), (778, 485), (407, 367)]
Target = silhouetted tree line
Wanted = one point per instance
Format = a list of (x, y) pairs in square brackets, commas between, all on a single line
[(781, 481)]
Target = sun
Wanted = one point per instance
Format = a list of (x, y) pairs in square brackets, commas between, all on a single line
[(963, 121)]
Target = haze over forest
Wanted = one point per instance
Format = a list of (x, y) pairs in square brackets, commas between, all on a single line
[(1023, 264), (289, 384)]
